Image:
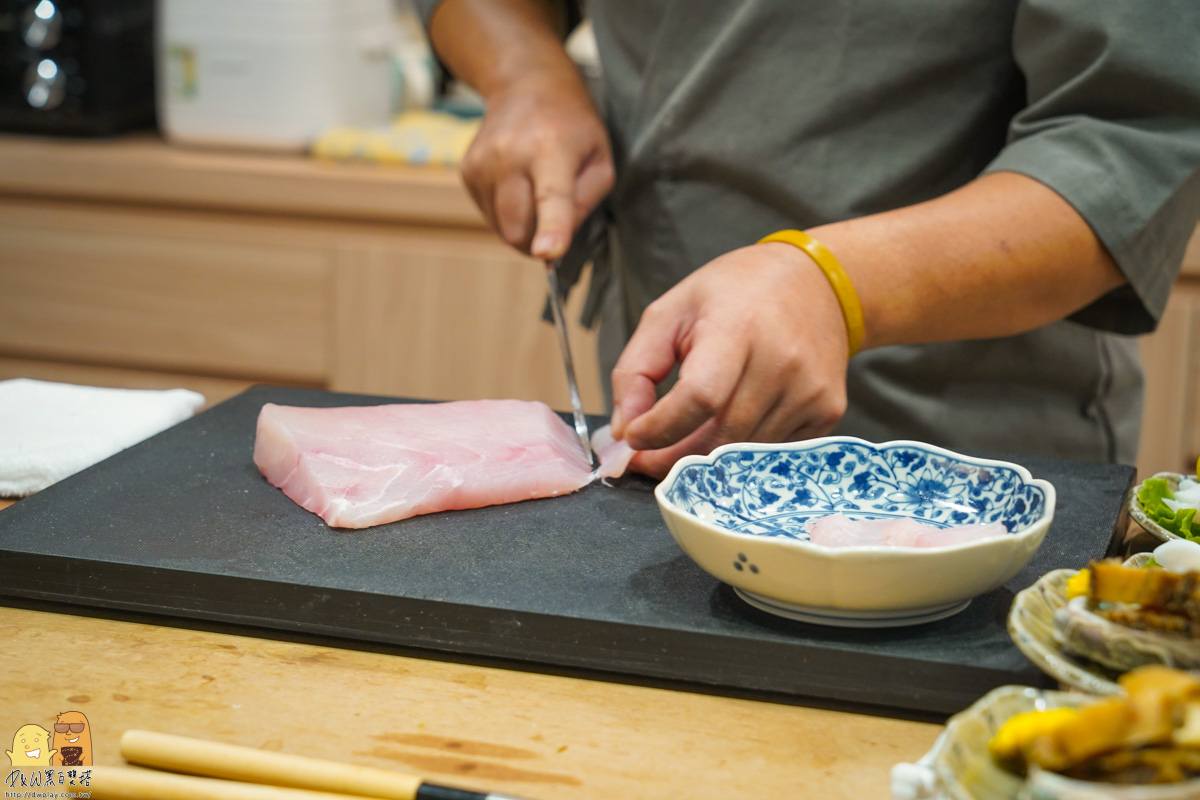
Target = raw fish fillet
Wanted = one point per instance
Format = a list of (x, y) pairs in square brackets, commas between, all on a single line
[(360, 466), (838, 530)]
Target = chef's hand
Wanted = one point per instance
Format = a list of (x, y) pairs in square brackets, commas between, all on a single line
[(762, 350), (540, 163)]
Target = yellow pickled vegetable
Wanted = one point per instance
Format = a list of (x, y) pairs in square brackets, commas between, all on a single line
[(1015, 736), (1080, 584), (1188, 734)]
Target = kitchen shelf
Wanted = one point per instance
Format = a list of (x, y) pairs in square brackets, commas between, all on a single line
[(145, 169)]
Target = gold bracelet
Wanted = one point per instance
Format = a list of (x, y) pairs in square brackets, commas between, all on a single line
[(839, 281)]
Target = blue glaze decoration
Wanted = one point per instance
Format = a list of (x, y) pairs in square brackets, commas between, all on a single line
[(765, 491)]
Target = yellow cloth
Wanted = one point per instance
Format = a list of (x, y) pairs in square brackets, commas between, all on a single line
[(414, 137)]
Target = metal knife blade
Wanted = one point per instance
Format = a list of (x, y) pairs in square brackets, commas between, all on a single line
[(560, 325)]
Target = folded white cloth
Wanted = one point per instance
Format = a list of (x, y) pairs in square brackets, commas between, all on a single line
[(51, 430)]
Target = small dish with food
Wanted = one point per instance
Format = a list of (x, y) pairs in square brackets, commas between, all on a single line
[(1018, 743), (1166, 506), (841, 531), (1085, 627)]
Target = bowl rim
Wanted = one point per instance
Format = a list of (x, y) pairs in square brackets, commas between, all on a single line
[(1047, 655), (1036, 528)]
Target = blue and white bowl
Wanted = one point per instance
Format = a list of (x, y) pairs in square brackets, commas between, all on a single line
[(740, 513)]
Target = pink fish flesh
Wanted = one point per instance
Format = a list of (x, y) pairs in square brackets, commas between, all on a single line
[(838, 530), (360, 466)]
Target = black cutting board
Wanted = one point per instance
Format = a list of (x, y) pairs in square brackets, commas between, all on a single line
[(184, 526)]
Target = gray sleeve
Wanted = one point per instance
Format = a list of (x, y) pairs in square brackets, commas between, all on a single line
[(425, 9), (1112, 124)]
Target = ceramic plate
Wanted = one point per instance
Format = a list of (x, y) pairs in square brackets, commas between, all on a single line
[(1139, 516), (1031, 626), (817, 615), (959, 766)]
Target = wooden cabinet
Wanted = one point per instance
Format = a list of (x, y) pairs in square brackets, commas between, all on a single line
[(132, 263), (1171, 422), (157, 291)]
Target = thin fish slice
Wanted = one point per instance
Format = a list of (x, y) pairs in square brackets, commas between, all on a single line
[(360, 466)]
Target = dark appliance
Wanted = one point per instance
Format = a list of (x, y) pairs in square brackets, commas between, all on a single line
[(78, 67)]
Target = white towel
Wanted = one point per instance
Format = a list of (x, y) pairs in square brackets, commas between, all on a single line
[(51, 430)]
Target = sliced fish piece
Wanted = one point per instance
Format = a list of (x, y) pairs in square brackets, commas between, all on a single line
[(359, 466), (838, 530)]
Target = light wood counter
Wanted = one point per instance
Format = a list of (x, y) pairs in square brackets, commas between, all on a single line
[(527, 734)]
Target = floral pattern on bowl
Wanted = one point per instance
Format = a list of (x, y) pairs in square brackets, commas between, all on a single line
[(776, 492), (740, 512)]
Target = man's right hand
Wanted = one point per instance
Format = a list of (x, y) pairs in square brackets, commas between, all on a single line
[(541, 161)]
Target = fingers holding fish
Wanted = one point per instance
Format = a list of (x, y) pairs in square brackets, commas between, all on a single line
[(761, 343), (710, 363), (750, 416)]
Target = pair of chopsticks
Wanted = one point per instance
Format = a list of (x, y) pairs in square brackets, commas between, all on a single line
[(230, 772)]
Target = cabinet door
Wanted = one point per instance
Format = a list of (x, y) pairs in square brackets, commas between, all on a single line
[(169, 292), (452, 316), (1171, 357), (384, 309)]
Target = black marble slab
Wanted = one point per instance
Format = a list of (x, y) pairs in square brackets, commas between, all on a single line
[(184, 527)]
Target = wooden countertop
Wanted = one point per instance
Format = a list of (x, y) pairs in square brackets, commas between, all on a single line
[(143, 169), (527, 734)]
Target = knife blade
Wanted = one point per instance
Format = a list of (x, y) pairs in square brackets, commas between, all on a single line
[(564, 343)]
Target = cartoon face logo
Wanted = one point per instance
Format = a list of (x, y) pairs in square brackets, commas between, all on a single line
[(31, 747), (73, 740)]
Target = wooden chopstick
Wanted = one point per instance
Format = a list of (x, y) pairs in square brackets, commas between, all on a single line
[(236, 763)]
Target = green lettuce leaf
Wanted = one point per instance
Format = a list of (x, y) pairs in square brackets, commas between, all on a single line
[(1181, 523)]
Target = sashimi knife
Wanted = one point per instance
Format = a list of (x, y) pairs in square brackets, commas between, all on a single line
[(560, 325)]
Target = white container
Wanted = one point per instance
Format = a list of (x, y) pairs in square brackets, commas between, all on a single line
[(271, 73)]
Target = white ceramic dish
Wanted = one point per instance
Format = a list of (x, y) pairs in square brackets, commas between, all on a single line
[(1032, 626), (740, 514), (959, 766)]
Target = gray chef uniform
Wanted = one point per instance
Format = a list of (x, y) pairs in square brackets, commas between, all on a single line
[(730, 120)]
